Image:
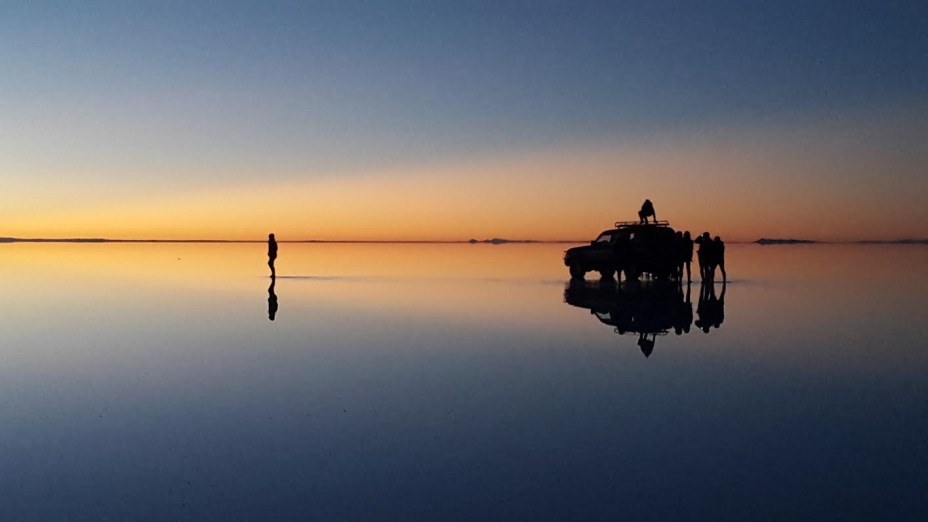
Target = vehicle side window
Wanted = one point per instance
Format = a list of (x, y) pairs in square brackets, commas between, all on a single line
[(604, 238)]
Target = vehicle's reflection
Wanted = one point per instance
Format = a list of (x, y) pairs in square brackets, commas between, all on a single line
[(647, 308)]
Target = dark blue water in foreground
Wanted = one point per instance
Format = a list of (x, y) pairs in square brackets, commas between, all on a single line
[(453, 382)]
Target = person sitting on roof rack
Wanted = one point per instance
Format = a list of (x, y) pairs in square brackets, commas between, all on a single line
[(647, 210)]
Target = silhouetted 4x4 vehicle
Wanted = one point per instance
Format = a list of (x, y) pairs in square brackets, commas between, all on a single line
[(631, 248)]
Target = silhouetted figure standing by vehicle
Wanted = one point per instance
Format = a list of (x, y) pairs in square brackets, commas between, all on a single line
[(704, 256), (621, 252), (271, 300), (271, 253), (687, 249), (719, 249), (678, 257), (647, 210)]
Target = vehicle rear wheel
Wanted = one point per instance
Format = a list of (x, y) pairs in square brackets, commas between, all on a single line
[(577, 270), (631, 273)]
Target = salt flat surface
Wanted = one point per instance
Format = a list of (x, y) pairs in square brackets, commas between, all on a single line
[(454, 382)]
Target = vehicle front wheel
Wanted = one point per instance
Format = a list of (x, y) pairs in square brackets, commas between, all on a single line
[(577, 270)]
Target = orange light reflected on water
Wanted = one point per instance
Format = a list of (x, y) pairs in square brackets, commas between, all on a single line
[(428, 282), (814, 289)]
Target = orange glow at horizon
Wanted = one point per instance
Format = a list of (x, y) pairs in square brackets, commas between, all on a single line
[(738, 188)]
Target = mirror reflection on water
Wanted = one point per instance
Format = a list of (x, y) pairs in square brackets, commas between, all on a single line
[(176, 381), (649, 309)]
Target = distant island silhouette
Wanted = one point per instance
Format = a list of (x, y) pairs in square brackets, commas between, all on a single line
[(768, 241), (499, 241)]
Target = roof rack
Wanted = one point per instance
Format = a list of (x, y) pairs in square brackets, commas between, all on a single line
[(662, 223), (659, 332)]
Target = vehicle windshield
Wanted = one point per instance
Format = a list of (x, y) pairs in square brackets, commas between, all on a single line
[(605, 237)]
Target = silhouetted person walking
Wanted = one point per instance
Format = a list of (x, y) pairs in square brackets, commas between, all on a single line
[(271, 253), (271, 300), (647, 210), (720, 256)]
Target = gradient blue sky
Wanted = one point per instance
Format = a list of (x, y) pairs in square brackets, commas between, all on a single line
[(108, 100)]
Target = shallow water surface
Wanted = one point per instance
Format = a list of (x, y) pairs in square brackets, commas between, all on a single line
[(458, 382)]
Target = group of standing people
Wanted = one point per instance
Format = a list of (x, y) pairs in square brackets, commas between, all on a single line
[(711, 255)]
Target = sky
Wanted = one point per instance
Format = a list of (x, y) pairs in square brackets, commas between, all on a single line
[(450, 120)]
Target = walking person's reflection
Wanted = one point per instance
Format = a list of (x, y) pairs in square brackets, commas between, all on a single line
[(271, 300)]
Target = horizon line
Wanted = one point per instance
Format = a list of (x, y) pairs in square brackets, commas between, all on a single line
[(399, 241), (763, 241)]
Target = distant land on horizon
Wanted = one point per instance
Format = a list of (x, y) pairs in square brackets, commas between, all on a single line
[(777, 241)]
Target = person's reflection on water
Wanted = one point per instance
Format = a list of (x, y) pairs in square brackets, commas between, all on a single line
[(711, 309), (271, 300), (719, 315), (683, 317), (646, 345)]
